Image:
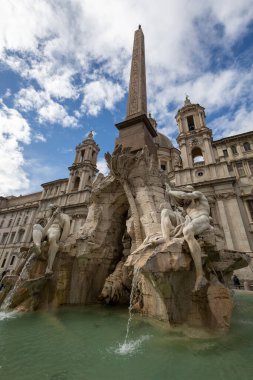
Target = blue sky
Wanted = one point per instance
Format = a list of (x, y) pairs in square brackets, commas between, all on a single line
[(64, 70)]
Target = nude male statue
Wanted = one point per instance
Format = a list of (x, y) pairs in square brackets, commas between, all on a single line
[(197, 221), (56, 231)]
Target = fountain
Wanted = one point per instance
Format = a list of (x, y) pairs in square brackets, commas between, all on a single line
[(134, 226), (138, 223), (145, 244)]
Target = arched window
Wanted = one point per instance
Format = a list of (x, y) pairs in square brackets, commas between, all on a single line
[(76, 183), (246, 146), (190, 122), (82, 155), (197, 155)]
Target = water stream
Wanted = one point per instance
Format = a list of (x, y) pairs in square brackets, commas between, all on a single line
[(129, 346), (24, 275)]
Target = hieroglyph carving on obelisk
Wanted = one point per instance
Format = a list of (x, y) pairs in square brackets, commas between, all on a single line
[(137, 97)]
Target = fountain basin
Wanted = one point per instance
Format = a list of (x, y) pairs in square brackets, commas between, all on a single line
[(85, 343)]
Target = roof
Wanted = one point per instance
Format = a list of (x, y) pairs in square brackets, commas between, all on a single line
[(234, 137), (163, 141), (54, 182)]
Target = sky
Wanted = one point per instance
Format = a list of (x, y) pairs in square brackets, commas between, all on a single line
[(64, 70)]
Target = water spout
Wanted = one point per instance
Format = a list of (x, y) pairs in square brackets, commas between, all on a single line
[(126, 347)]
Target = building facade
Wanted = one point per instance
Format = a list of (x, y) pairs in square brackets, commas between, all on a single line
[(19, 214), (222, 170)]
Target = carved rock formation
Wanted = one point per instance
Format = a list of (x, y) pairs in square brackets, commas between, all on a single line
[(167, 277), (122, 232)]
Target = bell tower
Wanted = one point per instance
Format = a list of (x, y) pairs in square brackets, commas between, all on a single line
[(84, 168), (195, 138)]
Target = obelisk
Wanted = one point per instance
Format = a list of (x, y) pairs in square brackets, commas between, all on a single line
[(137, 95), (136, 131)]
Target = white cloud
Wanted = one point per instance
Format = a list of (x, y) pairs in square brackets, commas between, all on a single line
[(23, 22), (230, 125), (55, 80), (234, 16), (100, 94), (92, 40), (48, 110), (7, 93), (39, 137), (102, 166), (55, 113), (14, 130)]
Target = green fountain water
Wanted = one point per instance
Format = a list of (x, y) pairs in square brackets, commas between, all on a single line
[(86, 344)]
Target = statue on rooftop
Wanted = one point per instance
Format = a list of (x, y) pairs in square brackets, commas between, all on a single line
[(187, 100)]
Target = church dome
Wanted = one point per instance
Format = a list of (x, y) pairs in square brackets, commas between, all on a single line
[(163, 141)]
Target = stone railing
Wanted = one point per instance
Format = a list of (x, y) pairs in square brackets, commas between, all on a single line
[(196, 164)]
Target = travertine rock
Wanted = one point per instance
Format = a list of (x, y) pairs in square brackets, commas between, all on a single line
[(167, 276), (221, 304)]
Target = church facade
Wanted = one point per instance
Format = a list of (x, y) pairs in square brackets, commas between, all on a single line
[(221, 169)]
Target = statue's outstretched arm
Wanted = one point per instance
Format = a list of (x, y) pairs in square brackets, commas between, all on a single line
[(184, 195), (48, 225)]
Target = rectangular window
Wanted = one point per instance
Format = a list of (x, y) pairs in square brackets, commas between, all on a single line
[(4, 238), (163, 165), (250, 207), (12, 237), (225, 153), (240, 169), (190, 122), (4, 260), (230, 169), (21, 235), (3, 263), (13, 260), (246, 146), (250, 162), (234, 149)]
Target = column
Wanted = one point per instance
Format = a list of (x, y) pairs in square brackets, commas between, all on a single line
[(225, 225)]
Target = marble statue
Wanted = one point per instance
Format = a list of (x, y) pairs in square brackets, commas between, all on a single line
[(56, 231), (197, 220), (171, 221)]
